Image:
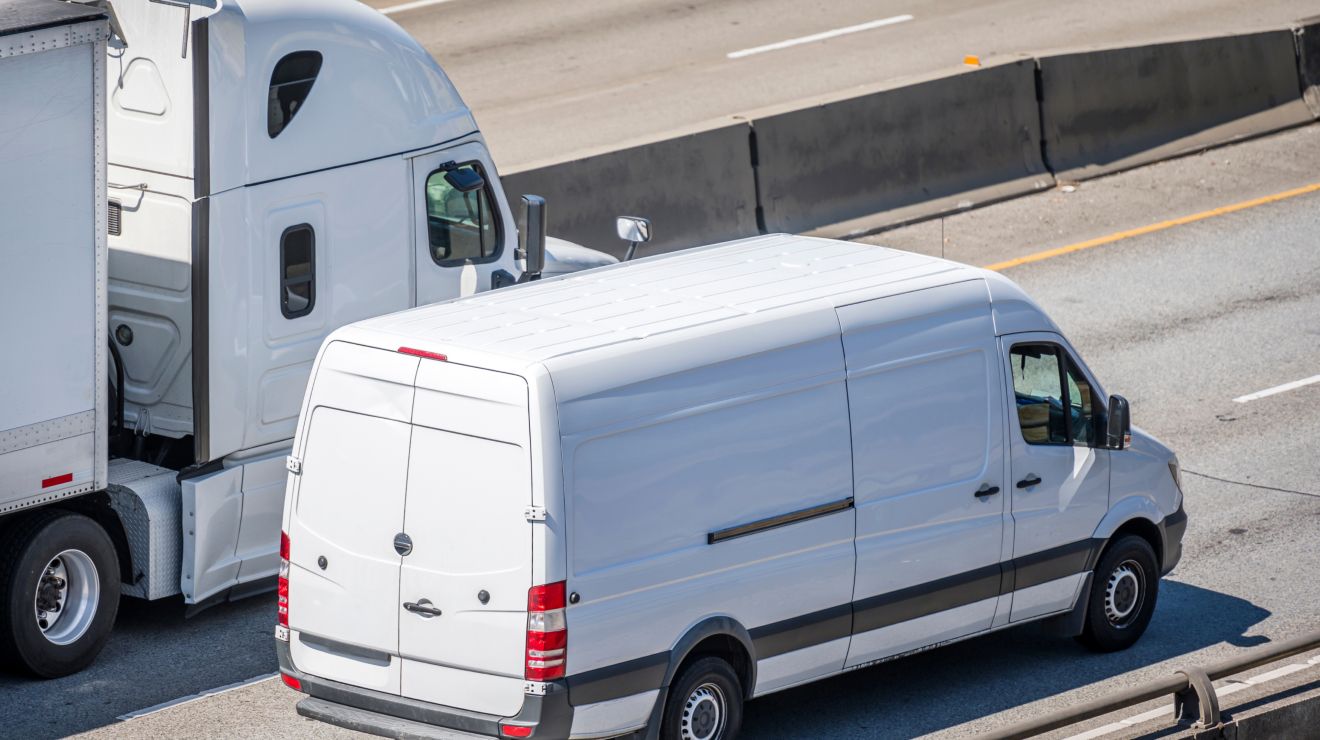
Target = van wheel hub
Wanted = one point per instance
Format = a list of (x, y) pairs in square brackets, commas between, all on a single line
[(703, 713), (66, 597), (1123, 593)]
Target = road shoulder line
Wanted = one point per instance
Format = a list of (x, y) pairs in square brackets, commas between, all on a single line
[(1152, 228)]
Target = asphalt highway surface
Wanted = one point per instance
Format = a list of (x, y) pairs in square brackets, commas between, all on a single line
[(554, 79), (1182, 321)]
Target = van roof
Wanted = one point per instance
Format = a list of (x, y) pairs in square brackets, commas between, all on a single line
[(703, 290)]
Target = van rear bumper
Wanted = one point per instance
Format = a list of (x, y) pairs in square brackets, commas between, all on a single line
[(387, 715)]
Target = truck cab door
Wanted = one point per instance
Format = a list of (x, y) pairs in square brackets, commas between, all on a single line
[(462, 236)]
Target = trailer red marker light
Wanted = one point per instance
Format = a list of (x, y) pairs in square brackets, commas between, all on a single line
[(291, 682), (58, 480), (423, 353), (516, 730)]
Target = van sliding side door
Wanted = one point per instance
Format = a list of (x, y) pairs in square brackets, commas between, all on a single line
[(926, 400)]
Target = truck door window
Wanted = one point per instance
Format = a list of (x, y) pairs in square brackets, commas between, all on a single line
[(461, 227), (1039, 394), (297, 271)]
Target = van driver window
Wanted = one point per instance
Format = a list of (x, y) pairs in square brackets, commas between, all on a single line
[(1055, 401), (1038, 391), (461, 226)]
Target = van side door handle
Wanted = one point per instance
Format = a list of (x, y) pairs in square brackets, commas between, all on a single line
[(422, 607), (1029, 481), (986, 490)]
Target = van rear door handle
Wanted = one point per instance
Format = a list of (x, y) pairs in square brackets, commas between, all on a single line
[(986, 490), (422, 607), (1029, 481)]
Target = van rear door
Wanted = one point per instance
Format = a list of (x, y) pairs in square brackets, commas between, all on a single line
[(346, 511), (462, 607)]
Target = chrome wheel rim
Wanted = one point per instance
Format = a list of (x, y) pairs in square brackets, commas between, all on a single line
[(66, 597), (1124, 593), (704, 713)]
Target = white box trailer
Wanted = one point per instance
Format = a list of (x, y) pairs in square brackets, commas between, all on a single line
[(54, 414), (52, 288)]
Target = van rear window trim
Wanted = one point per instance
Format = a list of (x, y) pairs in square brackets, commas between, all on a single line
[(782, 520)]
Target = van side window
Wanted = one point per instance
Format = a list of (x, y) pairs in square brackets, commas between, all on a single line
[(461, 226), (297, 271), (1055, 401)]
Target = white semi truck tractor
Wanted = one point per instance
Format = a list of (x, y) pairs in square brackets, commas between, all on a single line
[(192, 196)]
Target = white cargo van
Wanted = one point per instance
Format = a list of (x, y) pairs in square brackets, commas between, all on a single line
[(630, 499)]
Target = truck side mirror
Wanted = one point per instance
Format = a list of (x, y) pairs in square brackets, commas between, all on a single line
[(1120, 423), (531, 237), (634, 230)]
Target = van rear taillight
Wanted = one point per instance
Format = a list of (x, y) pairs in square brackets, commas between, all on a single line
[(516, 730), (282, 618), (547, 632)]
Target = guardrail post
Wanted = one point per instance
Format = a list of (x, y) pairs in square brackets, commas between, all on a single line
[(1198, 702)]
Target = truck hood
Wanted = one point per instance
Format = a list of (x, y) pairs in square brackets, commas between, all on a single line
[(563, 257)]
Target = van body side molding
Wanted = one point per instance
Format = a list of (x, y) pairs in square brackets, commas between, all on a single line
[(782, 520)]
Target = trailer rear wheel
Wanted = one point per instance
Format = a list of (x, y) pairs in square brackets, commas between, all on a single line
[(59, 585)]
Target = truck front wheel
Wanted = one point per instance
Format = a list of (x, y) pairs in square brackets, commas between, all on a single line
[(59, 581)]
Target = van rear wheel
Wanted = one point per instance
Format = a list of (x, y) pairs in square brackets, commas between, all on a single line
[(704, 703), (1124, 587), (59, 593)]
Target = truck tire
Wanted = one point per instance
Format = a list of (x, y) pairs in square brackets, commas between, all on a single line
[(59, 593), (704, 703), (1123, 592)]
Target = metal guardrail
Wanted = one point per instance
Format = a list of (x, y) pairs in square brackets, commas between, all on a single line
[(1194, 697)]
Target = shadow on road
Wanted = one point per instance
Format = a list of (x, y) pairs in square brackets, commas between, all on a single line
[(958, 683)]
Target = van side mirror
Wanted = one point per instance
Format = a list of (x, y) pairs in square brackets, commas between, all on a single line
[(531, 237), (634, 230), (1120, 423)]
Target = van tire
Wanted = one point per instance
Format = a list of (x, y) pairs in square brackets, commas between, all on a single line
[(80, 550), (1124, 589), (707, 691)]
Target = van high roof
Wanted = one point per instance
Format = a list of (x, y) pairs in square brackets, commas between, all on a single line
[(705, 290)]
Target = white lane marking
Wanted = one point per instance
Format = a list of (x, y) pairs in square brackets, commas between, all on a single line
[(200, 695), (410, 6), (819, 36), (1278, 389)]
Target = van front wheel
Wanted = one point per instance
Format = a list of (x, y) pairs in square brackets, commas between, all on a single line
[(704, 703), (1123, 591)]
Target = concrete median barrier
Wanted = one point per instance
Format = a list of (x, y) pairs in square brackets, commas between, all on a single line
[(1307, 35), (944, 143), (696, 189), (1111, 109)]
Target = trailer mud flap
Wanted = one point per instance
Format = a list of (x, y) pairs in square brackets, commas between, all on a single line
[(212, 510)]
